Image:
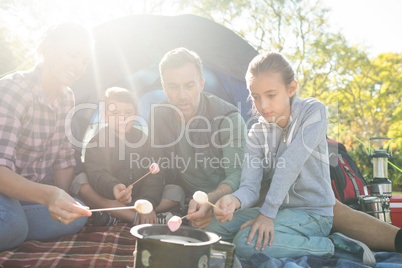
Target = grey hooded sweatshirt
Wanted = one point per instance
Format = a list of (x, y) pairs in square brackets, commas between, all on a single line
[(294, 160)]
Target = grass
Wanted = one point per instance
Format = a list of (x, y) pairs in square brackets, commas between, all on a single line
[(396, 193)]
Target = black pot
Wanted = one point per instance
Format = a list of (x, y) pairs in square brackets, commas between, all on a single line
[(158, 247)]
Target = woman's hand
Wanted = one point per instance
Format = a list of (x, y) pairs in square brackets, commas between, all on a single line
[(199, 215), (227, 204), (265, 228), (123, 193), (63, 207)]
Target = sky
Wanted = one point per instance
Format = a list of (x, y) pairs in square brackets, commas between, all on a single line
[(376, 24)]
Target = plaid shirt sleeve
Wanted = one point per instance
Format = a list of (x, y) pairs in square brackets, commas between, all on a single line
[(12, 107)]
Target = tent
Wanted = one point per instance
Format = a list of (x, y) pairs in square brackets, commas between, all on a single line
[(128, 51)]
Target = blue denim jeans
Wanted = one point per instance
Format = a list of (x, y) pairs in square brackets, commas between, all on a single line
[(20, 221), (297, 233)]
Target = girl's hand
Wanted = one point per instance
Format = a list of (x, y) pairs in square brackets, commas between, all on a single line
[(122, 194), (265, 227), (227, 204)]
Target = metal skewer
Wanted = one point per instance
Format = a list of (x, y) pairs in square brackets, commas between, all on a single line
[(140, 179), (109, 209)]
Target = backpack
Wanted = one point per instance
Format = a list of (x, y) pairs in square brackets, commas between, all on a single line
[(346, 180)]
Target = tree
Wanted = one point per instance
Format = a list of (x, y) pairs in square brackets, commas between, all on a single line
[(370, 102), (371, 96), (6, 55)]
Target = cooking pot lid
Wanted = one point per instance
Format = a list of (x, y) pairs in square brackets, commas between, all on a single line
[(186, 235), (381, 181)]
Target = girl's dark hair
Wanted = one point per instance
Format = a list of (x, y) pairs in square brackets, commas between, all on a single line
[(271, 62)]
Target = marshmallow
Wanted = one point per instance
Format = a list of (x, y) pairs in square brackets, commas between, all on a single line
[(200, 197), (154, 168), (143, 206), (174, 223)]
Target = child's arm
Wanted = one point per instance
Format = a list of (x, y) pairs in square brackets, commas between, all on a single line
[(251, 177), (98, 168)]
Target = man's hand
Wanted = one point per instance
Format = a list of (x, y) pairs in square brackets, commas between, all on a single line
[(227, 204), (199, 215), (122, 194), (146, 218), (265, 228)]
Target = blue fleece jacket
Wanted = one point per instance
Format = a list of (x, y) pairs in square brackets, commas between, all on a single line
[(294, 159)]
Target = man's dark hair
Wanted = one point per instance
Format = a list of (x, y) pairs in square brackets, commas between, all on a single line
[(179, 57)]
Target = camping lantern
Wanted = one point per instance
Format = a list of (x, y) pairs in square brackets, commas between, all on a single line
[(380, 185)]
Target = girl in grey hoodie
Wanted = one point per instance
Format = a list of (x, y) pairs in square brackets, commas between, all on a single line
[(286, 150)]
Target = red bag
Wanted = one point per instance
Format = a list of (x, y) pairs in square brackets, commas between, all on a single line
[(346, 180)]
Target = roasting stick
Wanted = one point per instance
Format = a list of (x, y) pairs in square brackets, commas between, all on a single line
[(110, 209), (153, 169), (214, 205), (140, 178), (202, 198), (175, 222), (189, 214), (141, 205), (199, 197)]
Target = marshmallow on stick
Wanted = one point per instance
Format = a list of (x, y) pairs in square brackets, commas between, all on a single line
[(141, 205), (174, 223), (153, 169), (202, 198)]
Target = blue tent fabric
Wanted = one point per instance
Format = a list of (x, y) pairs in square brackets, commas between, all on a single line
[(220, 84), (128, 50)]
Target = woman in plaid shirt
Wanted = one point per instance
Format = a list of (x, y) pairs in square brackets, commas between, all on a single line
[(33, 142)]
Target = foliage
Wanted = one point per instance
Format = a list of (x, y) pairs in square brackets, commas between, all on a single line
[(6, 55), (370, 105), (363, 94)]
